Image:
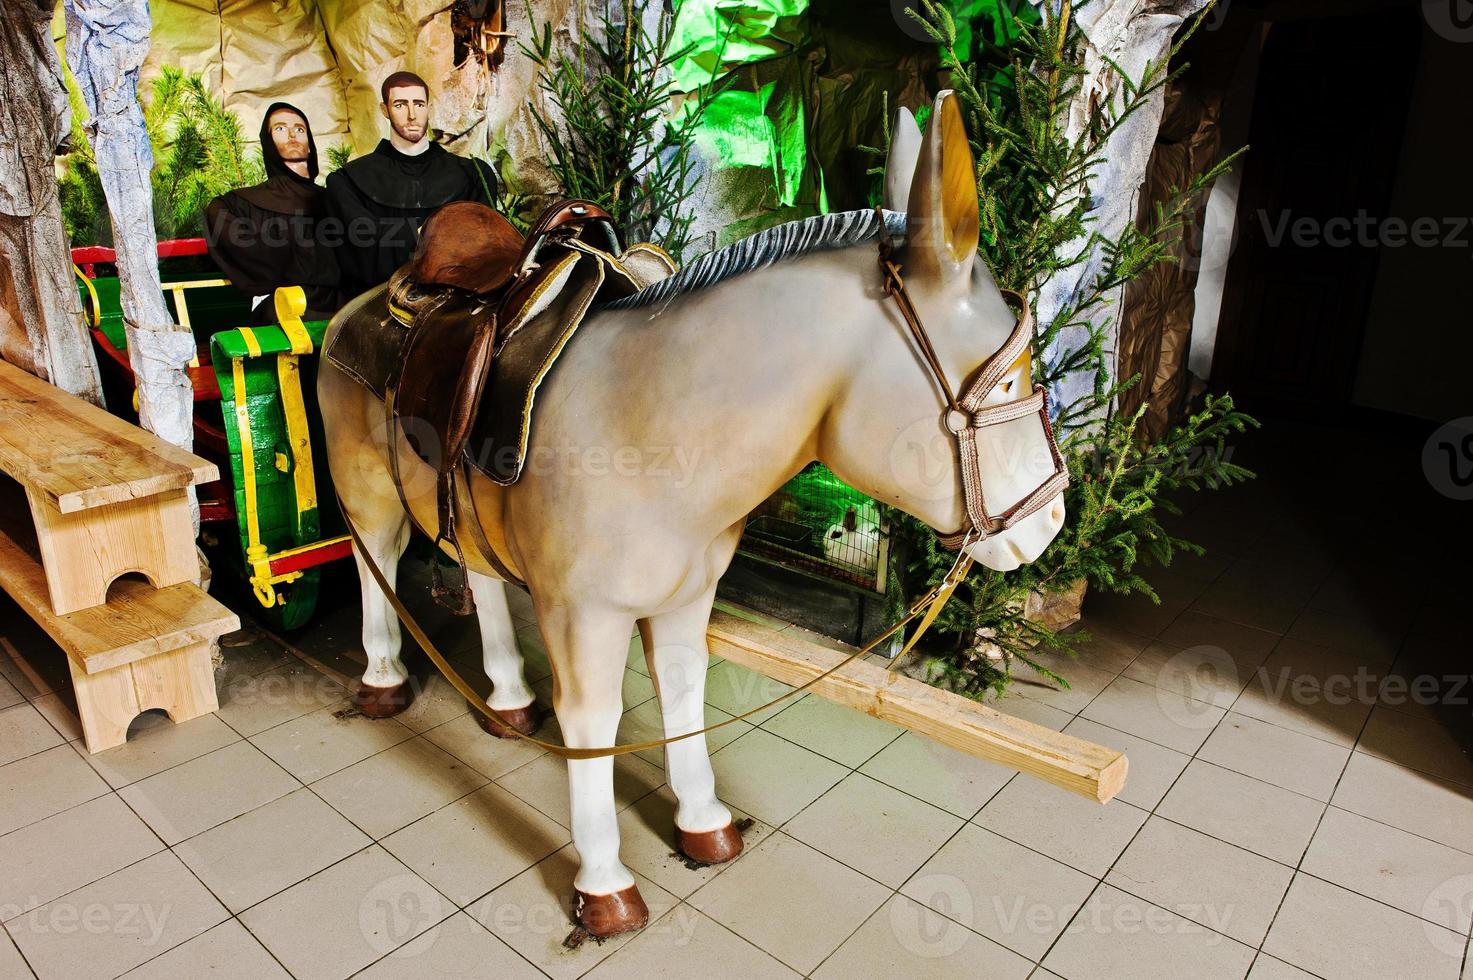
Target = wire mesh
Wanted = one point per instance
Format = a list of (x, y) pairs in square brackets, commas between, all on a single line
[(821, 525)]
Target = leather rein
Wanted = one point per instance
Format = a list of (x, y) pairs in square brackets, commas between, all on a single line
[(964, 417)]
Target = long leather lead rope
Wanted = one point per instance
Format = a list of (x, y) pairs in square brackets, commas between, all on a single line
[(928, 605)]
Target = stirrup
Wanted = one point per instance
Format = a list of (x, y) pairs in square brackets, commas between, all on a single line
[(457, 600)]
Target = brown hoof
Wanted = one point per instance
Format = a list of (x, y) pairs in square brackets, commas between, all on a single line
[(383, 702), (709, 846), (609, 915), (524, 720)]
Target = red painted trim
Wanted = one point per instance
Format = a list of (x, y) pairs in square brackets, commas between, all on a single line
[(182, 246), (212, 511), (206, 385), (311, 559), (172, 249)]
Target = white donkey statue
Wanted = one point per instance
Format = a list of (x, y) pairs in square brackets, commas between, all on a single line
[(757, 359)]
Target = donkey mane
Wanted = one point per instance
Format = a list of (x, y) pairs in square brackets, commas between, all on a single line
[(789, 240)]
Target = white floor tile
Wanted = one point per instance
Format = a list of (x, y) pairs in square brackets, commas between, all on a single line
[(197, 795), (1154, 714), (770, 778), (942, 776), (1392, 866), (45, 784), (477, 843), (874, 829), (346, 917), (1002, 890), (262, 852), (1305, 765), (1332, 932), (398, 786), (457, 949), (532, 914), (73, 848), (1080, 832), (790, 900), (1228, 889), (1240, 810), (1118, 935), (1411, 801), (905, 938), (118, 922)]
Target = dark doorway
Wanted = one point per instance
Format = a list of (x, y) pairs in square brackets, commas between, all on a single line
[(1326, 134)]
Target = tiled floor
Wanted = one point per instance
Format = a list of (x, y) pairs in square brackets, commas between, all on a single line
[(1300, 800)]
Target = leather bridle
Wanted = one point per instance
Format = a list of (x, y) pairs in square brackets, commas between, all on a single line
[(964, 417)]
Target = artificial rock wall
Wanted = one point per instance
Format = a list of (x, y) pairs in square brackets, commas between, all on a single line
[(329, 56)]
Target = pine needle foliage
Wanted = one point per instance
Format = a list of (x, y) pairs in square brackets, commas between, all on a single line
[(198, 150), (618, 143), (1032, 180), (338, 156)]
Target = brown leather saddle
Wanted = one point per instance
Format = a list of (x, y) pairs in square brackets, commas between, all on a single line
[(487, 312)]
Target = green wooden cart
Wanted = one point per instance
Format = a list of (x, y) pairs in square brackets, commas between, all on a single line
[(255, 416)]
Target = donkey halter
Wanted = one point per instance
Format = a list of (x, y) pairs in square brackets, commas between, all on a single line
[(965, 416)]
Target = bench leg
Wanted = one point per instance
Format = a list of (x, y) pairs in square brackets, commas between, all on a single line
[(182, 683), (84, 552)]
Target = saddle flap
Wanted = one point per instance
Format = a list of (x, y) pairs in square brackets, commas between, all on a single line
[(442, 377), (523, 360)]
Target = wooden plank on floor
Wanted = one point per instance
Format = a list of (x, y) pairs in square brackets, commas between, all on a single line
[(1066, 761)]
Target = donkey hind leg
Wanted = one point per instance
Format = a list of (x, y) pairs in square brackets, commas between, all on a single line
[(510, 696), (588, 651), (385, 689), (675, 645)]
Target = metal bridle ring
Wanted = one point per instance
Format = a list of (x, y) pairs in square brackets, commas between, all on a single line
[(956, 421)]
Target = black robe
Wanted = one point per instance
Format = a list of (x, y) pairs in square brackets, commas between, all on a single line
[(265, 236), (378, 202)]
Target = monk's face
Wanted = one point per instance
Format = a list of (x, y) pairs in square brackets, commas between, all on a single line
[(289, 133), (408, 110)]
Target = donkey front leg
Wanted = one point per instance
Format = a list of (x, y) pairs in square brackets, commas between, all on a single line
[(675, 645), (510, 696), (588, 651), (385, 689)]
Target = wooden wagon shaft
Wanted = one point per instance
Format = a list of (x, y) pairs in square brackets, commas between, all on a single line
[(1072, 763)]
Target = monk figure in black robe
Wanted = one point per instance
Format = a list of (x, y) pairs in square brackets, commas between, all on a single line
[(378, 202), (265, 236)]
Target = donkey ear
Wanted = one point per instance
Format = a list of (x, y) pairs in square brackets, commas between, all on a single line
[(900, 165), (942, 224)]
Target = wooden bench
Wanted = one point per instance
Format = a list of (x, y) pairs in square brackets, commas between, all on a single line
[(106, 498)]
